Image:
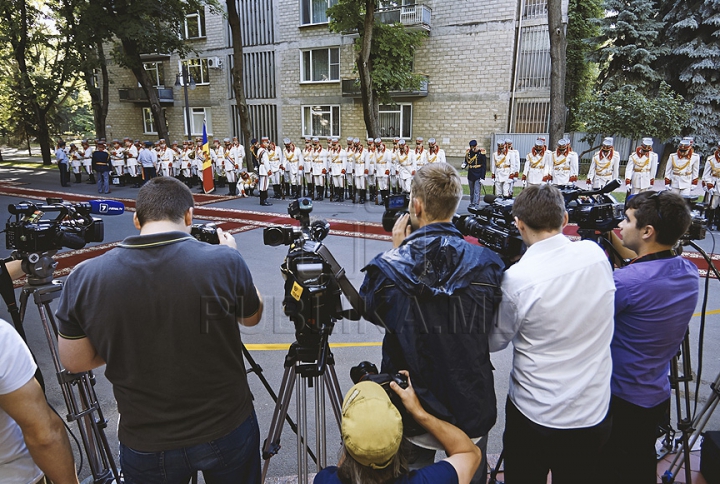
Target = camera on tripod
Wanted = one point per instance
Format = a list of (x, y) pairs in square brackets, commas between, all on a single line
[(698, 221), (493, 225), (594, 210), (73, 227), (300, 210), (395, 207)]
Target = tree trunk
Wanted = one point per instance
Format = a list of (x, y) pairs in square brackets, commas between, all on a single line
[(370, 102), (132, 52), (29, 148), (238, 82), (558, 48), (44, 137), (98, 95)]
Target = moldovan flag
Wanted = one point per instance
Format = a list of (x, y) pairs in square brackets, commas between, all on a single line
[(207, 174)]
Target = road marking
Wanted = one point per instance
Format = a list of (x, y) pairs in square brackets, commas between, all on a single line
[(285, 346)]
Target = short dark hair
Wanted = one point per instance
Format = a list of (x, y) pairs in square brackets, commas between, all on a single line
[(163, 198), (540, 207), (667, 212), (438, 185)]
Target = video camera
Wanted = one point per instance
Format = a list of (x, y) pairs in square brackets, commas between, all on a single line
[(595, 210), (73, 227), (698, 221), (205, 233), (493, 225), (395, 207)]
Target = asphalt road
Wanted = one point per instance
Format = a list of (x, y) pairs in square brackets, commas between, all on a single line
[(355, 341)]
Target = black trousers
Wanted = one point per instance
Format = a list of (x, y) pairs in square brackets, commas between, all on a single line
[(149, 173), (532, 450), (64, 174), (629, 455)]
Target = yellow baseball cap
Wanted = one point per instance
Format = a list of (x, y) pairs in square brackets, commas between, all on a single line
[(371, 425)]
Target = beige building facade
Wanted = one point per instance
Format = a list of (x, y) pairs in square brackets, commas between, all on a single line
[(486, 63)]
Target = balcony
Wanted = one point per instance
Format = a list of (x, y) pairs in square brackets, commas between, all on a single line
[(137, 95), (414, 16), (351, 88)]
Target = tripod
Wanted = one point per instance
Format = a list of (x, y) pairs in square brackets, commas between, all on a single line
[(77, 388), (307, 364)]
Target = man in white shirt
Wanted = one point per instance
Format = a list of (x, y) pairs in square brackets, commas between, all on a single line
[(559, 396)]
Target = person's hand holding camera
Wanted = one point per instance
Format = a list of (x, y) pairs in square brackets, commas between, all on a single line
[(401, 229), (408, 396), (226, 239)]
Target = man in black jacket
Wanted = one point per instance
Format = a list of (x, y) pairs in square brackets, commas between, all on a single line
[(436, 295)]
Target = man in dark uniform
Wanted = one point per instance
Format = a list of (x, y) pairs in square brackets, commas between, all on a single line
[(476, 164), (101, 165), (254, 147)]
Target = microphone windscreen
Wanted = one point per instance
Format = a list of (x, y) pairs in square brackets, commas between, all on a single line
[(106, 207), (489, 198), (611, 186)]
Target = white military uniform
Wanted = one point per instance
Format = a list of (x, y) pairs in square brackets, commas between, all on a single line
[(537, 167), (564, 167), (406, 169), (292, 161), (218, 160), (383, 165), (394, 167), (76, 161), (500, 168), (350, 166), (166, 158), (337, 159), (421, 157), (87, 160), (307, 165), (711, 177), (230, 164), (437, 156), (359, 160), (274, 157), (264, 169), (131, 161), (319, 168), (640, 170), (186, 162), (682, 172), (117, 159), (604, 168)]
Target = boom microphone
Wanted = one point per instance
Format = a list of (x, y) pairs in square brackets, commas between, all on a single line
[(106, 207)]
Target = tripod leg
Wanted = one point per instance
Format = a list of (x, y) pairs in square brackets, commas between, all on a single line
[(320, 423), (301, 405), (272, 443), (334, 393)]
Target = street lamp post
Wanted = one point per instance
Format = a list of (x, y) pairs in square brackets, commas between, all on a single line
[(187, 79)]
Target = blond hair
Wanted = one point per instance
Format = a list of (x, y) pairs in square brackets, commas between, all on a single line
[(438, 185)]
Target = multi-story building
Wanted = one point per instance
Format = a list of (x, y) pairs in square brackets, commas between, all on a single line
[(487, 65)]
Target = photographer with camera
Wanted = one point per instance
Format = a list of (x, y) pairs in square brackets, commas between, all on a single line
[(175, 361), (436, 295), (655, 300), (372, 450), (557, 309)]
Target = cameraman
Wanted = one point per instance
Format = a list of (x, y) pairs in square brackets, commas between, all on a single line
[(436, 296), (372, 433), (557, 309), (174, 357), (655, 299)]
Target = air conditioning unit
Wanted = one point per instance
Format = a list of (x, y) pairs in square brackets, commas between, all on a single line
[(214, 63)]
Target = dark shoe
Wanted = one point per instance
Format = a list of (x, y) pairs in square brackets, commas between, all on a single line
[(265, 203)]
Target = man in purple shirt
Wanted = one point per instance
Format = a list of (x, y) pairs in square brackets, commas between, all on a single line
[(655, 299)]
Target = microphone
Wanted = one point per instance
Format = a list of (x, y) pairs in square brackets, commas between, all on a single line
[(106, 207), (72, 241), (611, 186), (489, 198)]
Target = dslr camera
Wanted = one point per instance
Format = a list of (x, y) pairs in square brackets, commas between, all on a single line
[(205, 233)]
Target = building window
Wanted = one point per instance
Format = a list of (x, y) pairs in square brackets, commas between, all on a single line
[(321, 121), (313, 11), (534, 59), (198, 69), (396, 121), (531, 116), (148, 122), (197, 116), (156, 72), (195, 25), (320, 65), (535, 9)]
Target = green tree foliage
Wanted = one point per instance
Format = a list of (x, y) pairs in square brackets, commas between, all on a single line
[(384, 55), (693, 65), (581, 74), (630, 113), (629, 45)]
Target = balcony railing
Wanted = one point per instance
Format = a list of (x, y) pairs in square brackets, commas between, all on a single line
[(137, 95), (408, 15), (351, 88)]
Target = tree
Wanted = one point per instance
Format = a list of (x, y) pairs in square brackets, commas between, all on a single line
[(626, 111), (384, 55), (146, 27), (42, 59), (238, 73), (558, 49), (692, 34), (581, 74), (629, 45)]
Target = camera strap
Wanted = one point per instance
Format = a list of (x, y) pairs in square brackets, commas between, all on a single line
[(663, 254), (8, 294)]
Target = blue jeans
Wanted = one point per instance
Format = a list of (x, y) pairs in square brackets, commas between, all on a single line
[(475, 187), (234, 458), (103, 181)]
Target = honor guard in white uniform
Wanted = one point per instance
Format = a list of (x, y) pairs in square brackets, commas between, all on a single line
[(370, 154), (318, 159), (307, 168), (350, 168), (292, 163), (117, 158), (605, 165), (217, 153), (394, 169), (406, 166), (359, 160), (514, 156), (500, 169), (75, 157), (641, 168), (131, 161), (435, 154), (681, 172), (166, 158), (564, 164), (711, 181), (337, 161), (187, 156), (421, 158), (264, 171), (226, 158), (274, 156), (87, 152), (537, 165), (176, 159), (199, 162), (383, 165)]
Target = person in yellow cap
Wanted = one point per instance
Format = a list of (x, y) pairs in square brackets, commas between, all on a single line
[(372, 431)]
